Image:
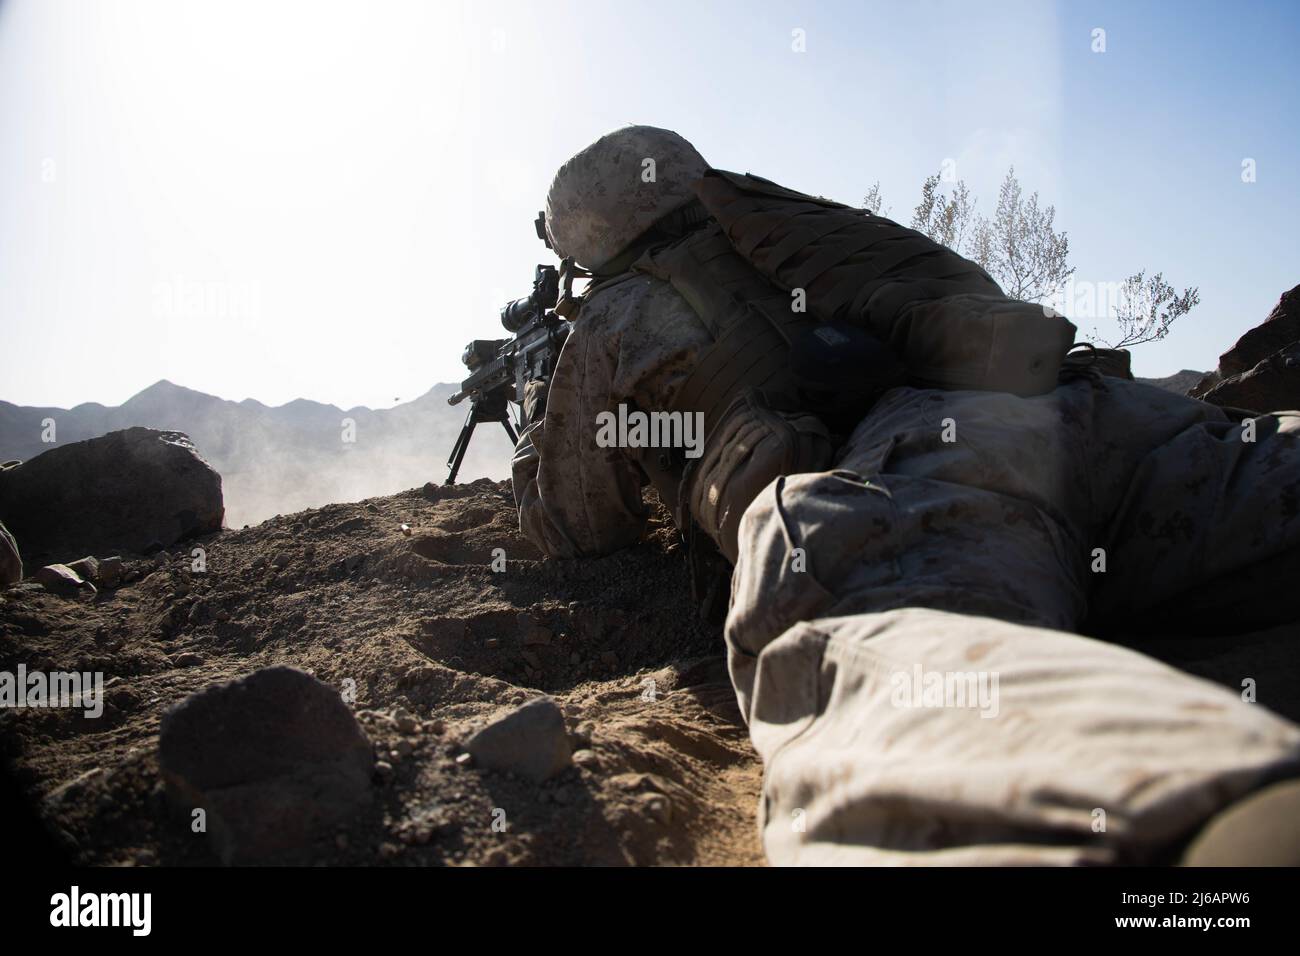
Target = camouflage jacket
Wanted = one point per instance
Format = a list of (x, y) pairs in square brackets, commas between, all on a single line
[(634, 342)]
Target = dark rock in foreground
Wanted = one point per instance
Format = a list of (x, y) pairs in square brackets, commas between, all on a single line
[(1272, 385), (133, 490), (272, 759), (1261, 372), (1280, 329)]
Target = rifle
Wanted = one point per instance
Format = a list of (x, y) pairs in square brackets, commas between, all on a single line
[(501, 368)]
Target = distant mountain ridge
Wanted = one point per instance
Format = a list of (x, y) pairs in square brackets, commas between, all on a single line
[(1179, 382), (279, 459)]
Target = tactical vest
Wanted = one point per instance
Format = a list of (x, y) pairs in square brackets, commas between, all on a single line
[(815, 309), (944, 316), (782, 361)]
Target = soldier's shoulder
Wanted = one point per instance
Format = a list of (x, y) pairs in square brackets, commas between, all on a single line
[(627, 285), (620, 295)]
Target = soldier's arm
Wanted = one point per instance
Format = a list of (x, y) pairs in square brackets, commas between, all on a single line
[(575, 498)]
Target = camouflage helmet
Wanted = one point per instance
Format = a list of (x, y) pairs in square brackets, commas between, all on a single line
[(602, 199)]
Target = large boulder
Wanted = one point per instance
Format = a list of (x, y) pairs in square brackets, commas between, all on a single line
[(1272, 385), (1280, 329), (133, 490), (272, 759), (1259, 373)]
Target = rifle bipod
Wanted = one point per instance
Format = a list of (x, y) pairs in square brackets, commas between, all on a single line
[(488, 409)]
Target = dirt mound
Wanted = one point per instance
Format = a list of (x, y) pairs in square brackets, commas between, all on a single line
[(430, 639)]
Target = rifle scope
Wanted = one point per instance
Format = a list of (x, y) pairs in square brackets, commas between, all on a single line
[(546, 290)]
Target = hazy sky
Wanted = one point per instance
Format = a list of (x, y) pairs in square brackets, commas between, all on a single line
[(328, 200)]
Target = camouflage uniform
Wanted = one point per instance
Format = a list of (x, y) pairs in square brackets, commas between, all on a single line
[(1000, 526), (634, 341), (956, 541)]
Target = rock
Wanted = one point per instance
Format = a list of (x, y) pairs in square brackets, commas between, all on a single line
[(61, 579), (110, 571), (532, 633), (407, 724), (1203, 384), (528, 741), (122, 491), (531, 659), (1272, 385), (586, 759), (1280, 329), (656, 806), (274, 758), (188, 659), (1261, 372), (281, 560), (584, 731), (11, 562), (87, 568)]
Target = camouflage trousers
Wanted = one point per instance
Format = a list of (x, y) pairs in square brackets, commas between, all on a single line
[(900, 629)]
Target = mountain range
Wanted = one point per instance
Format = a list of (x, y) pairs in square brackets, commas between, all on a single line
[(281, 459)]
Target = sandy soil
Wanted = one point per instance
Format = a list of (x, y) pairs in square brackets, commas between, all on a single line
[(434, 641)]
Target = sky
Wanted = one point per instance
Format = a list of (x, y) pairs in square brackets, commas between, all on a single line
[(328, 200)]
